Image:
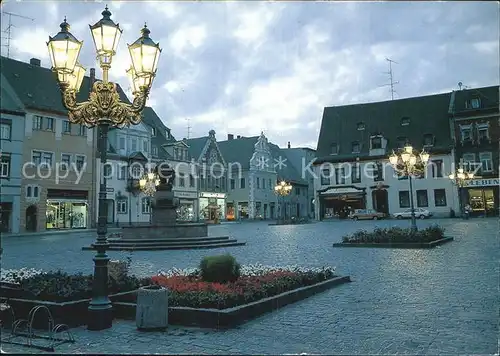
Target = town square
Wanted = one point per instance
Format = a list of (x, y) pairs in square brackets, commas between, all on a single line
[(249, 177)]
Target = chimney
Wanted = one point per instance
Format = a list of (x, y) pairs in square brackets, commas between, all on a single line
[(238, 136), (230, 137), (92, 77), (35, 62), (288, 144)]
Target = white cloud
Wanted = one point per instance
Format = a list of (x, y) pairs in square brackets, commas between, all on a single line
[(253, 24), (169, 9), (171, 86), (487, 47), (187, 37), (31, 41)]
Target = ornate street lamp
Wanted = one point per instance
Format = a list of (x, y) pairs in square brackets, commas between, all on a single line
[(409, 163), (102, 110), (148, 185), (459, 179), (282, 189)]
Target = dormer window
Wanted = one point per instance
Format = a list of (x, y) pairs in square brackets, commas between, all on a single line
[(356, 148), (473, 103), (153, 131), (361, 126), (405, 121), (483, 132), (428, 140), (376, 142), (401, 141), (167, 134), (334, 148)]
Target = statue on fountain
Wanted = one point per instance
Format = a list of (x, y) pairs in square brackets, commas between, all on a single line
[(164, 208)]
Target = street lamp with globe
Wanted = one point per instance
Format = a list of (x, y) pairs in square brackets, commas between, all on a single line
[(459, 179), (282, 189), (148, 185), (103, 109)]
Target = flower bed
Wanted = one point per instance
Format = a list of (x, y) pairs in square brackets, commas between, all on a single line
[(187, 289), (396, 237)]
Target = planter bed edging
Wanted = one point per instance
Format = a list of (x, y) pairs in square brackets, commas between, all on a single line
[(231, 317), (425, 245)]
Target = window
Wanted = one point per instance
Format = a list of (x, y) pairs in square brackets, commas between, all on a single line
[(486, 161), (405, 121), (5, 165), (65, 161), (356, 173), (122, 173), (36, 157), (263, 183), (167, 134), (258, 183), (376, 142), (401, 142), (5, 131), (439, 197), (270, 185), (49, 124), (356, 147), (428, 140), (37, 122), (242, 183), (297, 190), (182, 180), (82, 130), (469, 161), (465, 133), (32, 191), (121, 143), (66, 127), (46, 158), (80, 161), (422, 200), (153, 131), (108, 170), (361, 126), (154, 150), (325, 177), (146, 205), (121, 206), (473, 103), (340, 175), (191, 181), (404, 199), (136, 172), (378, 172), (231, 183), (334, 149), (145, 146), (437, 168), (134, 145), (483, 132)]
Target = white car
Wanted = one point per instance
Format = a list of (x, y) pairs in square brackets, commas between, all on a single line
[(419, 214)]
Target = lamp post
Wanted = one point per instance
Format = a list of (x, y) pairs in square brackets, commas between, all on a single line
[(459, 179), (282, 189), (408, 163), (102, 110), (148, 185)]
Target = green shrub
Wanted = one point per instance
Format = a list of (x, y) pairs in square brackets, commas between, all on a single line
[(219, 269), (395, 235)]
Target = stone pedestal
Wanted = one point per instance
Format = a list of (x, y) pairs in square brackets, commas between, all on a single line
[(164, 209)]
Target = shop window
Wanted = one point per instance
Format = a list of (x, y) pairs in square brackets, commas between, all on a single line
[(439, 197), (5, 165), (121, 206), (486, 160), (66, 127), (404, 199), (5, 131), (437, 168), (355, 173), (146, 205), (325, 177), (422, 200), (66, 214)]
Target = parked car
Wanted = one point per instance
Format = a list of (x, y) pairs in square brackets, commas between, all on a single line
[(419, 214), (366, 214)]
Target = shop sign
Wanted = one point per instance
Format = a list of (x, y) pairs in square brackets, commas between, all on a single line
[(110, 190), (189, 195), (482, 182), (213, 195)]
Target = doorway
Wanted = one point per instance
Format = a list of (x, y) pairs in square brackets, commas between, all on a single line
[(31, 218), (380, 199)]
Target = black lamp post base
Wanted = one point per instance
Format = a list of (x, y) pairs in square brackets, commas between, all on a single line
[(100, 318)]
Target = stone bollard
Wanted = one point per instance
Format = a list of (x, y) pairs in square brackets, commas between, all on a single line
[(152, 308)]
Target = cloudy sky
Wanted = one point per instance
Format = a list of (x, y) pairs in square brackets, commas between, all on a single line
[(245, 67)]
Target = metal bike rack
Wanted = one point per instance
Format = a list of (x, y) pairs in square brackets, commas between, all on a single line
[(23, 328)]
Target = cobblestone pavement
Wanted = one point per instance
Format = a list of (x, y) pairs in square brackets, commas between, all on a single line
[(439, 301)]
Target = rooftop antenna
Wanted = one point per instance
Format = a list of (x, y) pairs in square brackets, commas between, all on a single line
[(392, 82), (9, 28), (188, 127)]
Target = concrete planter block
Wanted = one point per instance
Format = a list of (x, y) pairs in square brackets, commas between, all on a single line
[(152, 308)]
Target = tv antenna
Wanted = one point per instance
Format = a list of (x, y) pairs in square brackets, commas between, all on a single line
[(188, 127), (391, 78), (462, 86), (9, 28)]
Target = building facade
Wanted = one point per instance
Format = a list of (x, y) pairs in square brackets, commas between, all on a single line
[(12, 117), (474, 121), (352, 168)]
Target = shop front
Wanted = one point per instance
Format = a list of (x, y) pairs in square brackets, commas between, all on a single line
[(482, 195), (67, 209), (230, 212), (338, 202), (212, 207), (187, 204)]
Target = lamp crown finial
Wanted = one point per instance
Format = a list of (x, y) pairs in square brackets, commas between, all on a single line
[(145, 31), (64, 25), (106, 13)]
